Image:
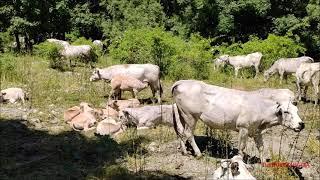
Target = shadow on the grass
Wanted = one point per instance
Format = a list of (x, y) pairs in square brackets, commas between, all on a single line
[(30, 154)]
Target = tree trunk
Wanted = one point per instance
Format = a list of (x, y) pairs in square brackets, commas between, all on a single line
[(16, 35)]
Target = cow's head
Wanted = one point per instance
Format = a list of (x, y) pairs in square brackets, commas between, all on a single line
[(127, 119), (266, 75), (96, 75), (224, 58), (289, 117)]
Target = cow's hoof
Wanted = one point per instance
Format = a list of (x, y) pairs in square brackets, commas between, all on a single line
[(199, 156)]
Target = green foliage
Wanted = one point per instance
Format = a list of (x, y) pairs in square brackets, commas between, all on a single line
[(51, 51), (176, 57), (272, 48), (5, 40), (9, 68)]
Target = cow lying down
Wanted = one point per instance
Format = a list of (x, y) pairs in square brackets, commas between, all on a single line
[(110, 127), (233, 168), (148, 116), (12, 95), (80, 118)]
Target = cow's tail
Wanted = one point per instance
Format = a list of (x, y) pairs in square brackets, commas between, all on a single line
[(160, 88), (176, 116)]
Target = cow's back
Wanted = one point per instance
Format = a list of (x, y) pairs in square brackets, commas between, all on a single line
[(139, 71)]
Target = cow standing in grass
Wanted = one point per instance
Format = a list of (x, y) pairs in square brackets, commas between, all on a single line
[(285, 66), (250, 114), (142, 72), (241, 61)]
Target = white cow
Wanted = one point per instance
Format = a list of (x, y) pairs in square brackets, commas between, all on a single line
[(148, 72), (59, 42), (77, 51), (286, 66), (308, 73), (242, 61), (232, 169), (149, 116), (98, 43), (222, 108), (12, 95)]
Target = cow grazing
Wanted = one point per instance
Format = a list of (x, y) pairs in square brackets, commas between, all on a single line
[(250, 114), (232, 169), (85, 52), (148, 72), (149, 116), (241, 61), (119, 105), (126, 83), (12, 95), (308, 74), (286, 66), (110, 127)]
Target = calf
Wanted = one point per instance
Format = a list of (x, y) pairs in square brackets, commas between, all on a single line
[(233, 168), (12, 95), (126, 83), (80, 118), (149, 116)]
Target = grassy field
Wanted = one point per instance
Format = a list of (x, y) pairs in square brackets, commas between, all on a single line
[(37, 144)]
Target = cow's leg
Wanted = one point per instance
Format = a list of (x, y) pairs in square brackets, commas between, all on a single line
[(153, 90), (305, 91), (298, 96), (281, 76), (135, 93), (243, 137), (259, 143), (257, 70), (316, 92), (236, 70)]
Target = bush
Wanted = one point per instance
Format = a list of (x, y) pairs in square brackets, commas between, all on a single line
[(176, 57), (272, 48), (51, 51)]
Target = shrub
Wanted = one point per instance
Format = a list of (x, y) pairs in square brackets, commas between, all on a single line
[(51, 51), (176, 57)]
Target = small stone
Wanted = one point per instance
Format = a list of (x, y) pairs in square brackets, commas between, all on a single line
[(34, 121), (40, 113), (152, 146)]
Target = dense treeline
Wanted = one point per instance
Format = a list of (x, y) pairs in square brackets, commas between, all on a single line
[(218, 20)]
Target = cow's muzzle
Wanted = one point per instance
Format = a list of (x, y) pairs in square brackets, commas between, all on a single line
[(300, 128)]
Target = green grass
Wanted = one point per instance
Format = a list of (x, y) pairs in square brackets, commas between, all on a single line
[(70, 155)]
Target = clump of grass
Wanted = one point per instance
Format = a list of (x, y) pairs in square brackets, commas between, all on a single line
[(313, 146)]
